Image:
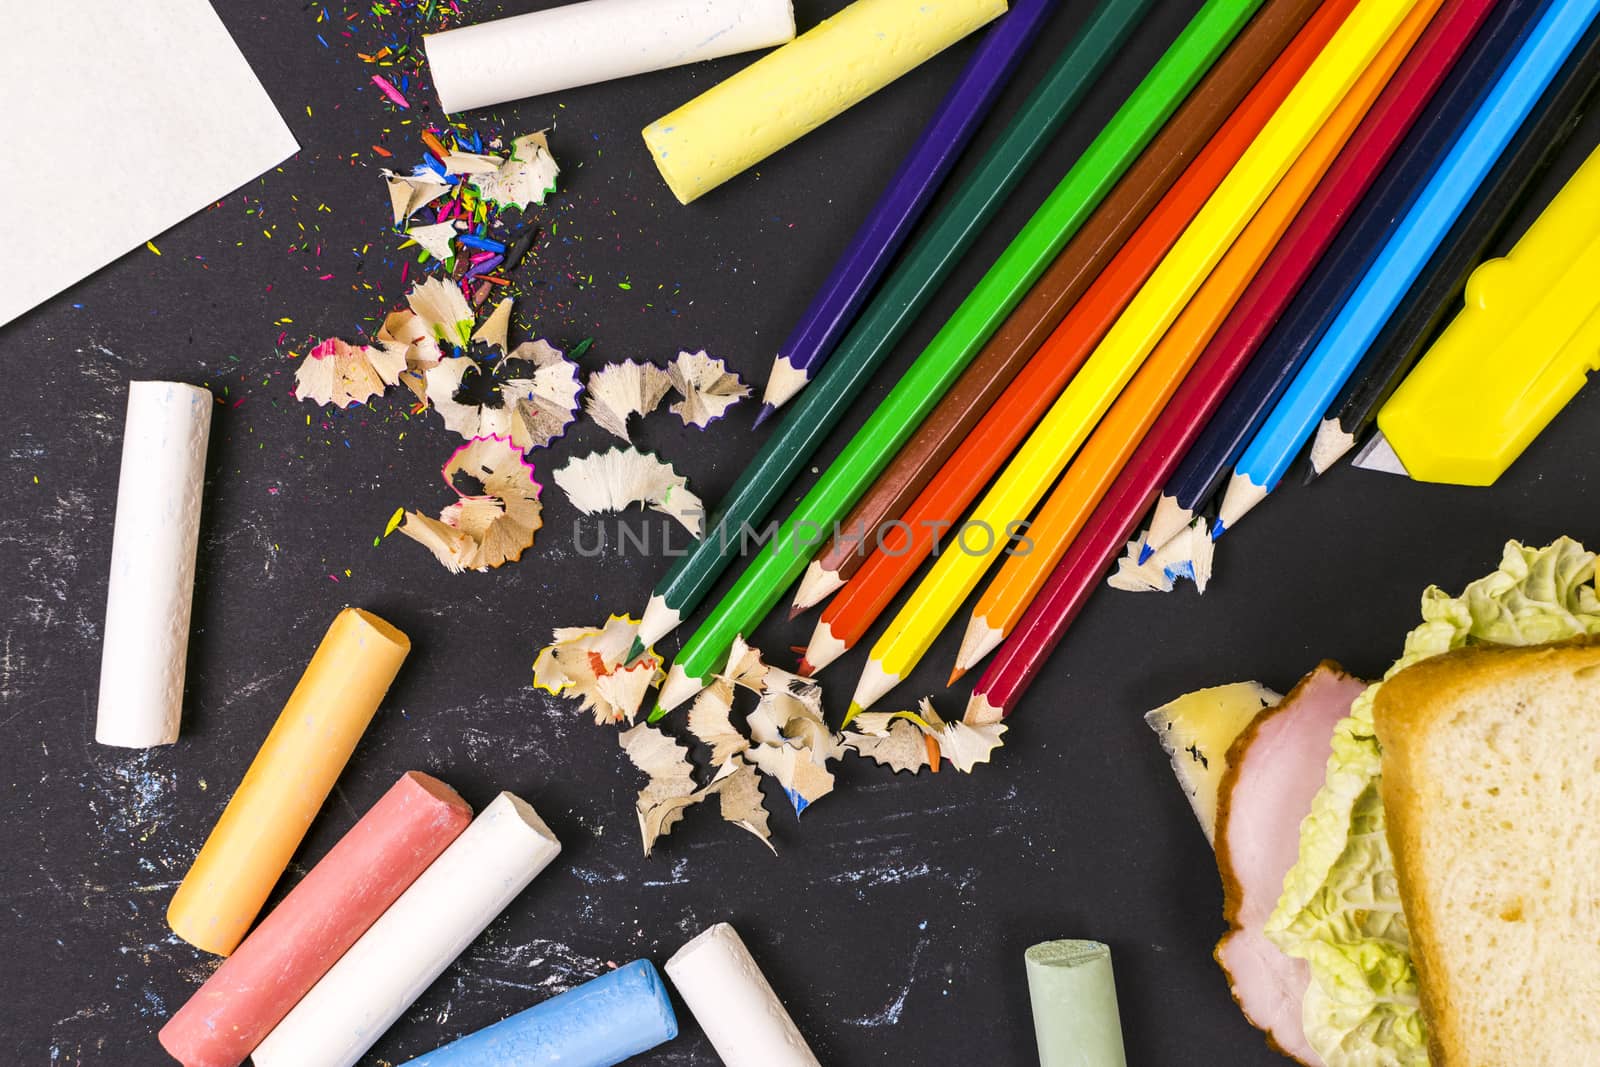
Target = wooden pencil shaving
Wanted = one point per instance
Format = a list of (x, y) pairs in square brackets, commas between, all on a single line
[(792, 740), (490, 525), (435, 239), (739, 795), (708, 388), (710, 720), (671, 789), (526, 177), (619, 390), (802, 772), (884, 737), (615, 479), (405, 335), (532, 402), (496, 326), (409, 193), (443, 311), (342, 374), (744, 667), (790, 711), (889, 739), (1188, 555), (588, 663), (471, 163)]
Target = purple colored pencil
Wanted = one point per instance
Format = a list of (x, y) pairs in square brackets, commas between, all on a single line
[(910, 191)]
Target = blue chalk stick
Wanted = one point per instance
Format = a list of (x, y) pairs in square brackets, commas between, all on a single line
[(600, 1023)]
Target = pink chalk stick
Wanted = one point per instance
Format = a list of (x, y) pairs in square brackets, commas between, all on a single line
[(323, 916)]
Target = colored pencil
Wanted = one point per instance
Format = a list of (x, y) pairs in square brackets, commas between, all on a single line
[(907, 196), (1056, 291), (1091, 473), (1295, 417), (940, 504), (1043, 456), (1391, 158), (1229, 355), (1437, 293), (782, 558), (917, 275)]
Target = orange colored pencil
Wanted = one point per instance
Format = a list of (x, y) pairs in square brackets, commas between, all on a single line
[(939, 506), (1087, 480)]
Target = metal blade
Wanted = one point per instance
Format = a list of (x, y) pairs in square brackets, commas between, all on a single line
[(1378, 455)]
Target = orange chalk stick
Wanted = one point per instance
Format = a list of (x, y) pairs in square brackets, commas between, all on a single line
[(287, 782)]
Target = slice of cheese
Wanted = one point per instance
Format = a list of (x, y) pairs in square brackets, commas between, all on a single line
[(1197, 729)]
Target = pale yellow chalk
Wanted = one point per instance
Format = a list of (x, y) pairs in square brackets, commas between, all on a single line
[(287, 782), (790, 92)]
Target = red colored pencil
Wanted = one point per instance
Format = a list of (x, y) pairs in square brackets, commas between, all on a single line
[(1024, 653)]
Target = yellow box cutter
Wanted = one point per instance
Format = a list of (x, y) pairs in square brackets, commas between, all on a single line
[(1520, 349)]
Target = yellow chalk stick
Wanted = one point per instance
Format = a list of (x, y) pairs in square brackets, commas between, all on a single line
[(287, 782), (790, 92)]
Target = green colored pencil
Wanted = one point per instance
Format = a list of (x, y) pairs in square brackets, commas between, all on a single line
[(783, 558), (900, 299)]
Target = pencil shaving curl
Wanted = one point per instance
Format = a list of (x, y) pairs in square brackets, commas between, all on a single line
[(891, 738), (485, 529), (589, 663), (1187, 556), (671, 789), (708, 388), (342, 374), (526, 177), (410, 193), (620, 390), (621, 477), (533, 395), (407, 337)]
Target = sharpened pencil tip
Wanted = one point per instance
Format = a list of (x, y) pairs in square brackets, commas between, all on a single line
[(803, 668), (795, 611), (656, 713), (855, 709), (955, 675), (635, 650), (1145, 552), (763, 415)]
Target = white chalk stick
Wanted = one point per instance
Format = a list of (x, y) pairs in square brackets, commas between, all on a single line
[(152, 564), (731, 1000), (412, 943), (595, 41)]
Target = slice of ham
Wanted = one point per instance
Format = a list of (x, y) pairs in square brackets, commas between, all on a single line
[(1275, 768)]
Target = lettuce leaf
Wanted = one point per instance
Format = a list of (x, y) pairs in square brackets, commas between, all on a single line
[(1340, 909)]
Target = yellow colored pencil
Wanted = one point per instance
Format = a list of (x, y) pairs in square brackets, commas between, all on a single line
[(1117, 436), (1047, 450)]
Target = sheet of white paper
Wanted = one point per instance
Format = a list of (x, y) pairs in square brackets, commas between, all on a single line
[(162, 116)]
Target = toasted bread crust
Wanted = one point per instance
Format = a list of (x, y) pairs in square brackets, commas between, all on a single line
[(1407, 708)]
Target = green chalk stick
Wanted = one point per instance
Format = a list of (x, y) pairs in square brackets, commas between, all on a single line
[(1074, 1001), (784, 557)]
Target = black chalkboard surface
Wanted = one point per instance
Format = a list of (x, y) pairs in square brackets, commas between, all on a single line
[(893, 919)]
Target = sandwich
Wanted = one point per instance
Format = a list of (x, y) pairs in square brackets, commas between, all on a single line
[(1411, 869)]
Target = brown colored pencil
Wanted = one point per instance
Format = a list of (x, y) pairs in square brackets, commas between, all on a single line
[(1048, 302)]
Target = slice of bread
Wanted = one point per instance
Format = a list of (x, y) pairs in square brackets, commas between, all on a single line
[(1491, 788)]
